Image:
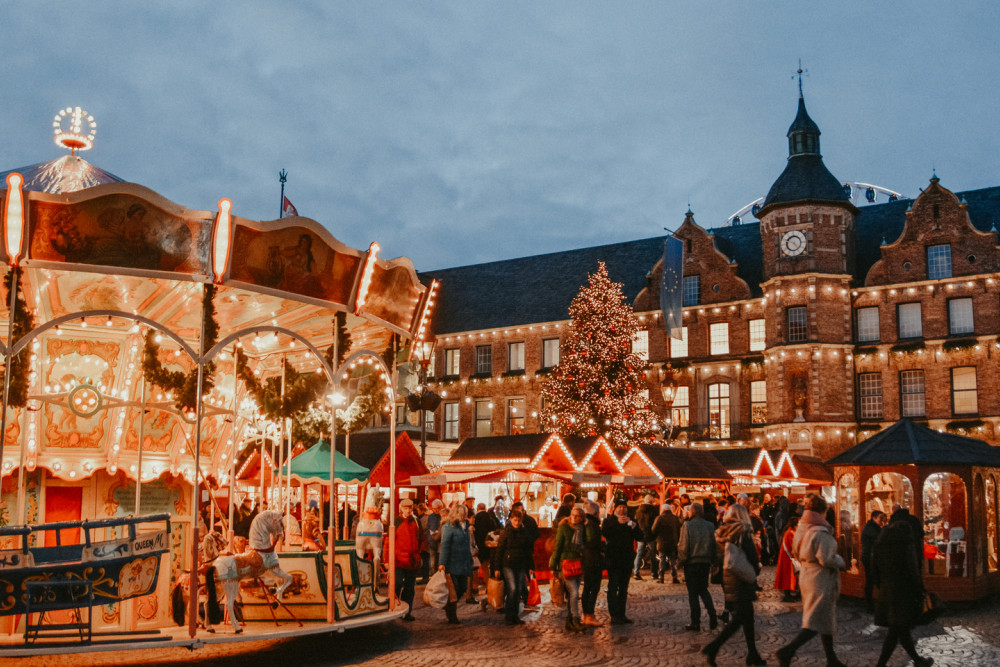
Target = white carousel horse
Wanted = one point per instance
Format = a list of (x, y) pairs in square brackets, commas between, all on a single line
[(259, 559), (369, 538)]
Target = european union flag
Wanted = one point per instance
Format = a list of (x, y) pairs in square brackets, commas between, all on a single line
[(670, 286)]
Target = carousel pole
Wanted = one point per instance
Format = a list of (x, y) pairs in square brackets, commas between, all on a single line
[(281, 448), (391, 557), (8, 359), (232, 460), (357, 486), (142, 424), (331, 540), (195, 513)]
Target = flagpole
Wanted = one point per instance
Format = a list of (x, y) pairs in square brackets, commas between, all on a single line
[(282, 177)]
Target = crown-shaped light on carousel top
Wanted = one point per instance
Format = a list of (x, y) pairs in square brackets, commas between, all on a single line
[(74, 137)]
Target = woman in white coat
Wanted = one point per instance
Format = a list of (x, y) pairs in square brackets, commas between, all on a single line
[(815, 546)]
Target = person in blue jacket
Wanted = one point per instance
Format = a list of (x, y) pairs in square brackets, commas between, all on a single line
[(456, 555)]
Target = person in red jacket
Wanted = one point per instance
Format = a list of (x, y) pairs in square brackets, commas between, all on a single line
[(785, 578), (409, 543)]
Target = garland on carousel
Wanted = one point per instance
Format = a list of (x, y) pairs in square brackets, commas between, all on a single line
[(24, 322), (184, 386)]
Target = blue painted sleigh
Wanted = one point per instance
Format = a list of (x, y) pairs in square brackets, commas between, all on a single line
[(71, 576)]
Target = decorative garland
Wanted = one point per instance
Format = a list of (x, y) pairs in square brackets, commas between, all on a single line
[(183, 385), (301, 389), (24, 322)]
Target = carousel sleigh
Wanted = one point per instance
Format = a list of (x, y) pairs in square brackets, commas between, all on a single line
[(39, 579)]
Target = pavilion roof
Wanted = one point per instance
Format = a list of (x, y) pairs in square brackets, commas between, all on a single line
[(908, 441)]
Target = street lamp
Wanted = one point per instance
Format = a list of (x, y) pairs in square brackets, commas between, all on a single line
[(668, 387), (424, 399)]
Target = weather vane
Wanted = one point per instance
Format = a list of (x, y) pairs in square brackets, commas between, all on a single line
[(799, 72), (74, 137)]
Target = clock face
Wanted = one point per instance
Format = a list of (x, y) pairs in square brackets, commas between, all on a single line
[(793, 243)]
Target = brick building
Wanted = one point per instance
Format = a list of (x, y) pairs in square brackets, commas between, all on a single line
[(808, 330)]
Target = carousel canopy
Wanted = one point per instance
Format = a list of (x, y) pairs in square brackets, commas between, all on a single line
[(313, 465), (909, 442)]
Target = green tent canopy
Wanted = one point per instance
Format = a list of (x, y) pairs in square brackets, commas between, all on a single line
[(313, 465)]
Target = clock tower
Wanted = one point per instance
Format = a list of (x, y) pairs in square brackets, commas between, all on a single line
[(807, 239)]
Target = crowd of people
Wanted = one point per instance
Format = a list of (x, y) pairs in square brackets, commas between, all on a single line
[(724, 541)]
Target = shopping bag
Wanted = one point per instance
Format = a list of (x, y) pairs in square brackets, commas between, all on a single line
[(494, 593), (436, 591), (452, 595), (534, 594), (737, 562), (572, 568), (556, 590), (933, 607)]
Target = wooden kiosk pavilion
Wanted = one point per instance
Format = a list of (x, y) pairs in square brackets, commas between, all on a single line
[(947, 481)]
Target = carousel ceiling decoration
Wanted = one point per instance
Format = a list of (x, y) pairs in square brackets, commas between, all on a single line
[(116, 277)]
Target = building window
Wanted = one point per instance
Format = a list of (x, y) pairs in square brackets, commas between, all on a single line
[(401, 413), (429, 420), (640, 345), (484, 359), (960, 316), (870, 395), (798, 319), (692, 291), (867, 322), (550, 352), (679, 347), (515, 357), (718, 410), (910, 323), (938, 261), (718, 337), (451, 421), (451, 361), (757, 341), (758, 402), (912, 393), (484, 418), (515, 416), (964, 399), (680, 410)]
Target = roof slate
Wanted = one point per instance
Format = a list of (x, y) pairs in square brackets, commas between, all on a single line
[(907, 441), (681, 463), (500, 446)]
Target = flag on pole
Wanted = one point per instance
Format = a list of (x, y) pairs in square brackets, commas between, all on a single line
[(670, 286), (287, 209)]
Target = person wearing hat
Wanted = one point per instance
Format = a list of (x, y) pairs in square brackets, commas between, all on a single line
[(620, 532), (409, 544), (645, 515)]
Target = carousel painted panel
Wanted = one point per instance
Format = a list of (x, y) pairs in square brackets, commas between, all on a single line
[(305, 597), (293, 259), (394, 294), (118, 230)]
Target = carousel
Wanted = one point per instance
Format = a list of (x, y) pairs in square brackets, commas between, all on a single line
[(948, 481), (147, 348)]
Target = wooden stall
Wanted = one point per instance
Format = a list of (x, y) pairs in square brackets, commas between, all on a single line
[(675, 469), (759, 470)]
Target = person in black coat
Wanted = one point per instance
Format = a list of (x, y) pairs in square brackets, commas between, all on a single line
[(666, 530), (513, 557), (900, 590), (593, 563), (531, 526), (900, 513), (621, 533), (645, 515), (869, 535)]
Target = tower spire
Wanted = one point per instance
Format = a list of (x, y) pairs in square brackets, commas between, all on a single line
[(800, 72)]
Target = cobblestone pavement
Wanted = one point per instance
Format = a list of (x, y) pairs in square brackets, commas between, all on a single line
[(969, 635)]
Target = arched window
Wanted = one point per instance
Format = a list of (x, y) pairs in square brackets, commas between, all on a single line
[(885, 489), (945, 525), (848, 518)]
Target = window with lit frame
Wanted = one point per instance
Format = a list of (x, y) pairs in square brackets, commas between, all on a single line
[(680, 410), (550, 352), (718, 337), (870, 396), (960, 319), (515, 416), (679, 347), (484, 418), (912, 393), (484, 359), (758, 340), (451, 421), (718, 410), (451, 359), (758, 402), (515, 356), (640, 344), (964, 395)]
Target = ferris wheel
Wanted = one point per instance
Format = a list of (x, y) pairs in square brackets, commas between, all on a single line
[(860, 194)]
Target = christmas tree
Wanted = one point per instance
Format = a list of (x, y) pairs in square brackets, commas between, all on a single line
[(596, 388)]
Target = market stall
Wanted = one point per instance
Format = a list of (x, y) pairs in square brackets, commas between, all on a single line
[(370, 448), (757, 470), (674, 470), (949, 482)]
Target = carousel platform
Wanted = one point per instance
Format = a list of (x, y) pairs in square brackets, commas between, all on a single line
[(13, 646)]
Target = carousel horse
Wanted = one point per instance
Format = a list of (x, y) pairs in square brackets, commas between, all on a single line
[(369, 538), (259, 559), (212, 545)]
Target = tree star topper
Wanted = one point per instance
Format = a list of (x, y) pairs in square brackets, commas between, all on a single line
[(74, 138)]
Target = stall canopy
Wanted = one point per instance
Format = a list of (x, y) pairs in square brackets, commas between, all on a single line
[(907, 441), (675, 464), (313, 465), (526, 457), (756, 466), (370, 448)]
